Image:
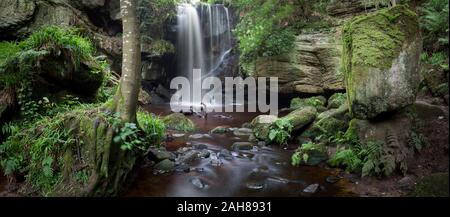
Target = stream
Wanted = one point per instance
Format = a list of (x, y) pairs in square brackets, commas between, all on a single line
[(263, 171)]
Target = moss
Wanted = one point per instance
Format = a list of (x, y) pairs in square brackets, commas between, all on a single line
[(179, 122), (161, 47), (435, 185), (316, 101), (374, 41), (336, 100)]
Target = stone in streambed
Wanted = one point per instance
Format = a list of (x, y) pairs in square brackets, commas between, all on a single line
[(164, 166), (240, 146), (219, 130), (311, 189), (243, 132)]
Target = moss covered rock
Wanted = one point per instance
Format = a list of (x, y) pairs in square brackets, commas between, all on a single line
[(336, 100), (261, 125), (435, 185), (381, 61), (301, 117), (317, 101), (179, 122)]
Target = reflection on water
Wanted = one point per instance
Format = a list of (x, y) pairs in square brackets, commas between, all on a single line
[(263, 171)]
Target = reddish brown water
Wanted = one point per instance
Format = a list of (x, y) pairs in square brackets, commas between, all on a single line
[(263, 172)]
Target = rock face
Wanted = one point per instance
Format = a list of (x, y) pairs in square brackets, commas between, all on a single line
[(15, 13), (381, 61), (311, 67), (348, 7)]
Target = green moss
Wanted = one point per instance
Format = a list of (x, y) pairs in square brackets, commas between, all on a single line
[(435, 185), (336, 100), (316, 101), (374, 41), (161, 47), (179, 122)]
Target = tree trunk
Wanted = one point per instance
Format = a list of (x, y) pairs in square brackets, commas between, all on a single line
[(127, 93)]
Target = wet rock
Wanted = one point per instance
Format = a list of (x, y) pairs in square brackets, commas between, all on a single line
[(311, 189), (255, 185), (261, 144), (199, 146), (223, 116), (332, 179), (178, 135), (164, 166), (182, 168), (199, 136), (243, 132), (246, 155), (189, 156), (239, 146), (198, 183), (407, 183), (219, 130), (204, 153), (246, 125), (215, 161), (225, 154), (160, 154)]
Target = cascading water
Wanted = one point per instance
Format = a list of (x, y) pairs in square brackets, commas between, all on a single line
[(203, 40)]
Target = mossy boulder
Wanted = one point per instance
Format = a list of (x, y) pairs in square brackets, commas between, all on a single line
[(381, 56), (317, 101), (336, 100), (261, 125), (179, 122), (301, 117), (328, 126), (434, 185)]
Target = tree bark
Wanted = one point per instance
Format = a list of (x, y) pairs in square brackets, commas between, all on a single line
[(127, 93)]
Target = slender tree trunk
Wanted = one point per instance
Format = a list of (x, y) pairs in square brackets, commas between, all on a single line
[(127, 94)]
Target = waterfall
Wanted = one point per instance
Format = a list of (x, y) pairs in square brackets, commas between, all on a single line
[(203, 38)]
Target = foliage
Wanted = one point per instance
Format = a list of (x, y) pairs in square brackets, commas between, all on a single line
[(152, 126), (347, 159), (280, 131), (264, 28), (34, 151), (438, 60), (303, 154), (161, 47), (371, 157), (417, 140), (435, 22)]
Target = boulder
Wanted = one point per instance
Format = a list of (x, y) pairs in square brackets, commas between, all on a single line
[(165, 166), (179, 122), (301, 117), (381, 61), (261, 125), (311, 154)]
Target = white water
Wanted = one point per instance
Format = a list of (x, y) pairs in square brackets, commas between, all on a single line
[(203, 40)]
